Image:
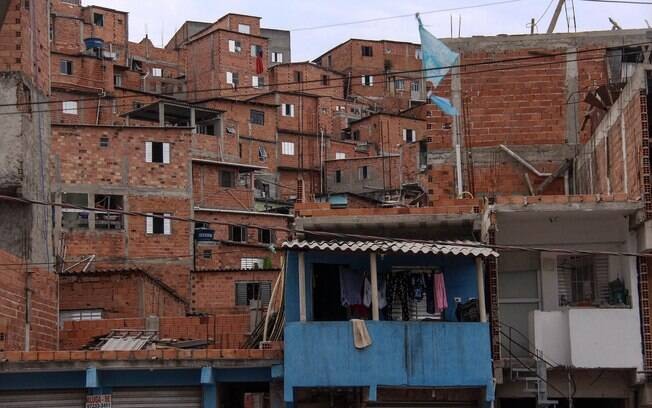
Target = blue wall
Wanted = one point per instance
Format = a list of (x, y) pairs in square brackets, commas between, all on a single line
[(459, 274), (402, 354)]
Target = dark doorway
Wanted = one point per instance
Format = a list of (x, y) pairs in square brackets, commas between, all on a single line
[(327, 304)]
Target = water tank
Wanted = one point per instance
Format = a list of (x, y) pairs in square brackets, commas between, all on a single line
[(92, 43)]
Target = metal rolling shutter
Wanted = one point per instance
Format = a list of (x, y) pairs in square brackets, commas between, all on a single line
[(156, 398), (49, 399)]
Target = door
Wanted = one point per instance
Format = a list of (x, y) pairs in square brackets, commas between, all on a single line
[(327, 301), (43, 399), (177, 397)]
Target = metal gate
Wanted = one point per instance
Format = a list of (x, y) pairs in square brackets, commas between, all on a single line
[(173, 397), (43, 399)]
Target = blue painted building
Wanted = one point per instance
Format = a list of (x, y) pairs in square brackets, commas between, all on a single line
[(446, 354)]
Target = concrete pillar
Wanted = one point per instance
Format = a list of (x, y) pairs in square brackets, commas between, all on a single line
[(479, 268), (302, 286), (193, 120), (373, 265), (209, 397), (161, 114)]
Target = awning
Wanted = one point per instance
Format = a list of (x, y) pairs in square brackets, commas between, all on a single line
[(465, 248)]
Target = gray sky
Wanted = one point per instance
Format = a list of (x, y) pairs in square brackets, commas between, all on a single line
[(163, 17)]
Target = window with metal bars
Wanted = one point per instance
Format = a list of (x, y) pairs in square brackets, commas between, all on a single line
[(248, 292)]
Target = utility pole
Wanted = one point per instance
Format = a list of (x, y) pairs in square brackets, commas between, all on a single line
[(555, 17)]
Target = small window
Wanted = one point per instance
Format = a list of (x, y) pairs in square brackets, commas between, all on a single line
[(108, 220), (98, 19), (256, 50), (325, 80), (65, 67), (399, 84), (363, 172), (248, 292), (287, 110), (235, 46), (257, 81), (157, 152), (418, 54), (73, 218), (367, 51), (117, 80), (104, 142), (298, 76), (232, 78), (277, 57), (79, 315), (409, 135), (428, 126), (244, 28), (237, 233), (367, 80), (340, 156), (157, 72), (262, 153), (416, 86), (287, 148), (208, 129), (338, 176), (257, 117), (207, 253), (252, 263), (157, 224), (356, 135), (70, 107), (227, 178), (265, 236), (330, 60)]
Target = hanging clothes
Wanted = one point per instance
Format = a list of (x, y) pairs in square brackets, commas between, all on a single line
[(382, 293), (350, 287), (397, 292), (441, 301), (417, 287)]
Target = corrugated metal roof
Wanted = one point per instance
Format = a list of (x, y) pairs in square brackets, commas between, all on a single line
[(465, 248), (127, 340)]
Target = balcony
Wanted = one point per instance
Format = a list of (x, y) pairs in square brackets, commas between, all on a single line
[(402, 354)]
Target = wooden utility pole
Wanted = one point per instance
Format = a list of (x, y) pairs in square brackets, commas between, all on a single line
[(555, 17)]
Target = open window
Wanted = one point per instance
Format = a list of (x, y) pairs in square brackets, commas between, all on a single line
[(73, 218), (247, 293), (108, 220)]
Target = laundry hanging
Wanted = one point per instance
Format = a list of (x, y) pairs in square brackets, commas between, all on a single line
[(441, 301), (351, 283)]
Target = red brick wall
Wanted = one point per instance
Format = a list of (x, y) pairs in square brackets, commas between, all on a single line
[(377, 177), (282, 78), (214, 292), (13, 305), (209, 193), (385, 132)]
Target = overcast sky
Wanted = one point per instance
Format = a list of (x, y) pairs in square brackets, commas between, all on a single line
[(163, 17)]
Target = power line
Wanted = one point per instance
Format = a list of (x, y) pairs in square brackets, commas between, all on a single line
[(344, 78), (544, 13), (388, 78), (373, 20), (646, 3)]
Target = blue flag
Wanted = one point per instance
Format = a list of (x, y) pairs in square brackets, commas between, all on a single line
[(437, 57), (445, 105)]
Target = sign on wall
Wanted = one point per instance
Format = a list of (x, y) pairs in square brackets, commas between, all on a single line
[(98, 401)]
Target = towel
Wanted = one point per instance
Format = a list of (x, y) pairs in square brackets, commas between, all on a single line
[(361, 338)]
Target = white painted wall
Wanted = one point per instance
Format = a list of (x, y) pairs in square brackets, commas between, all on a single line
[(550, 332)]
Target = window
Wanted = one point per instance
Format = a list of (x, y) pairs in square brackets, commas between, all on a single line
[(157, 152), (235, 46), (262, 153), (287, 110), (157, 72), (584, 280), (248, 292), (252, 263), (298, 76), (340, 156), (287, 148), (428, 126), (330, 60), (263, 189), (70, 107), (363, 172), (155, 223), (108, 220), (227, 178), (277, 57), (399, 84), (237, 233), (72, 218), (207, 253), (418, 54), (338, 176), (416, 86), (409, 135), (356, 135), (244, 28), (257, 81), (98, 19), (65, 67), (232, 78), (208, 129), (257, 117), (265, 236), (325, 80), (367, 51), (256, 50), (104, 142), (117, 80), (367, 80), (78, 315)]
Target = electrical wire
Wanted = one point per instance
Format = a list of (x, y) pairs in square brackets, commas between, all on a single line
[(383, 73), (387, 80), (646, 3), (544, 13)]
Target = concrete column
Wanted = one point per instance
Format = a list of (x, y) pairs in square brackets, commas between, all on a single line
[(193, 120), (161, 114), (479, 268), (302, 286), (209, 397), (373, 262)]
